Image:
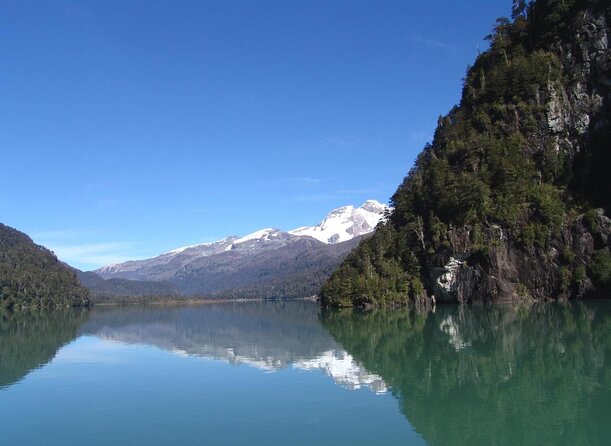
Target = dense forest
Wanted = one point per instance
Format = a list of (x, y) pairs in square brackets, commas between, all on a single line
[(511, 199), (126, 291), (32, 277)]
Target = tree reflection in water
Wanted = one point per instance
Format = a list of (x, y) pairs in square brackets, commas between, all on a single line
[(531, 374), (30, 339)]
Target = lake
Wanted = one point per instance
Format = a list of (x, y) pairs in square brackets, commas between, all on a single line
[(289, 373)]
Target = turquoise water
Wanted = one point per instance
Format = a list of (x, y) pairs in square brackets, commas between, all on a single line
[(289, 373)]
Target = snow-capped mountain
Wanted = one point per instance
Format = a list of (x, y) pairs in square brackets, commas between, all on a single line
[(269, 261), (164, 266), (340, 225), (345, 223)]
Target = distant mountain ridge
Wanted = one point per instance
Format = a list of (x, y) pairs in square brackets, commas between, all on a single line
[(266, 263), (340, 225)]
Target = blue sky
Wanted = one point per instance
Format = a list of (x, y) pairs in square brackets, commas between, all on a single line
[(128, 128)]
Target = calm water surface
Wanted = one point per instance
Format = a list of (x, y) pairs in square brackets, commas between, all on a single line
[(289, 373)]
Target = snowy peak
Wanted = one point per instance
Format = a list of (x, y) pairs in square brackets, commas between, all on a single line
[(269, 238), (345, 223), (340, 225), (206, 249), (374, 206)]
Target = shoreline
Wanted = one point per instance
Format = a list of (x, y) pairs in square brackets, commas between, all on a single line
[(201, 301)]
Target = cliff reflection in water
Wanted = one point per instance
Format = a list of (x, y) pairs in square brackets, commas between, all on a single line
[(266, 335), (30, 339), (491, 375)]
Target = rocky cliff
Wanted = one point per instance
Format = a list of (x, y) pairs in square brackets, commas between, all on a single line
[(512, 198)]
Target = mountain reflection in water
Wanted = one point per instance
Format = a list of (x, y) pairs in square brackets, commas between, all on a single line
[(530, 374), (265, 335)]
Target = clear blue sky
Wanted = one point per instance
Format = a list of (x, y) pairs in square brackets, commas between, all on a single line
[(128, 128)]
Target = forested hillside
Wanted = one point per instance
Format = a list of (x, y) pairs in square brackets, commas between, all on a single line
[(512, 197), (124, 290), (31, 276)]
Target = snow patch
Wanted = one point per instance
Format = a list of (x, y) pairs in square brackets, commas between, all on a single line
[(263, 234), (183, 248)]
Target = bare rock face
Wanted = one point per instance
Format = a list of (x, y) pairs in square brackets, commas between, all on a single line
[(508, 272), (574, 113)]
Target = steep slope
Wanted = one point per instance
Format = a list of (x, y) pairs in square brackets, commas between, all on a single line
[(511, 199), (31, 276)]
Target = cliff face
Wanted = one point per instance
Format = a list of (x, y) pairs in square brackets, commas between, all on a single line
[(576, 125), (512, 198), (510, 271)]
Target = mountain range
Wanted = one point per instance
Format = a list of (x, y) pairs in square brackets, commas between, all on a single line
[(268, 263)]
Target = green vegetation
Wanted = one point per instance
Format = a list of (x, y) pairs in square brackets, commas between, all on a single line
[(124, 291), (496, 174), (600, 267), (32, 277)]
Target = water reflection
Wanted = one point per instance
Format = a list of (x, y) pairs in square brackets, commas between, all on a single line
[(344, 370), (265, 335), (491, 375), (29, 340), (462, 375)]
